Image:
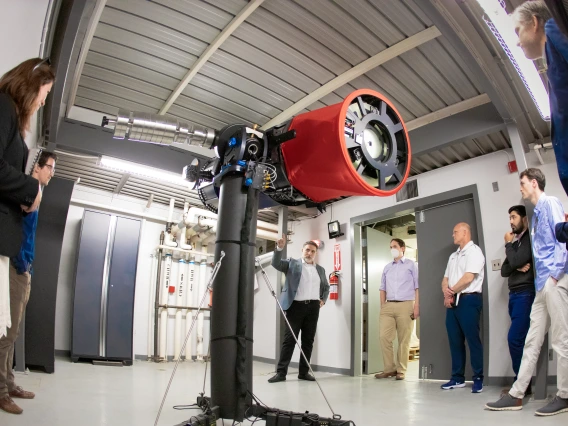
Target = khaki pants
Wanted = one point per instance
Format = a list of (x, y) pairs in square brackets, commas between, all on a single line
[(549, 311), (394, 321), (19, 296)]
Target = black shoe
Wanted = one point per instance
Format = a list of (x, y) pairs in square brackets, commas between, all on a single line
[(307, 377), (277, 378)]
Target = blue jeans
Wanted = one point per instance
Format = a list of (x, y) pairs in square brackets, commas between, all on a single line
[(462, 323), (520, 305)]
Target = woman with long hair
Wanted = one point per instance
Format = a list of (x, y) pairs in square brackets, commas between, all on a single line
[(23, 90)]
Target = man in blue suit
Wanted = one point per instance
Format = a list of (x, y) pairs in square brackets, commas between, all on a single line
[(305, 292)]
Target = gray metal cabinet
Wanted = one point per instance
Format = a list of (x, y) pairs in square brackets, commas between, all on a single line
[(105, 282)]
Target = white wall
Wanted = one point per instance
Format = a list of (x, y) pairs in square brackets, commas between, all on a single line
[(21, 28), (333, 341)]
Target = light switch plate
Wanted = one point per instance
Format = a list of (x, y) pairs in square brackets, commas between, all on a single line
[(496, 265)]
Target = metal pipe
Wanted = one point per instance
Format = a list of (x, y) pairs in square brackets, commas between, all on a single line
[(164, 313), (191, 308), (189, 301), (157, 298), (151, 305), (200, 319), (179, 301)]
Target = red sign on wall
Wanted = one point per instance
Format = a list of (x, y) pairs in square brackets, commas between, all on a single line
[(337, 257)]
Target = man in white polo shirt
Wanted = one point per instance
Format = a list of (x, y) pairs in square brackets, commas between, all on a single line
[(462, 285)]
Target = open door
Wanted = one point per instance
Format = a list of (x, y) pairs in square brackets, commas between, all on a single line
[(434, 226), (378, 255)]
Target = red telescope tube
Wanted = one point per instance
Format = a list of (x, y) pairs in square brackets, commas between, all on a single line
[(357, 147)]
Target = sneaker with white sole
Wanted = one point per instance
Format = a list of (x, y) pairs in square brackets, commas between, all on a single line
[(505, 403), (556, 406), (452, 384), (477, 386)]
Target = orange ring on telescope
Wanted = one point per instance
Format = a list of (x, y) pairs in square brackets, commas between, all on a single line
[(324, 170)]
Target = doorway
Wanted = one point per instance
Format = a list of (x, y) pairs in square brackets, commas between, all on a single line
[(378, 236), (432, 219)]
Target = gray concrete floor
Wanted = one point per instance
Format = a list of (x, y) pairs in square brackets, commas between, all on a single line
[(85, 395)]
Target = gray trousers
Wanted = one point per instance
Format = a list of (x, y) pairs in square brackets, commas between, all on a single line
[(19, 296)]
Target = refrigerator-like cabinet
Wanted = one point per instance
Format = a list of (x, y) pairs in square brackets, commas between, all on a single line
[(105, 282)]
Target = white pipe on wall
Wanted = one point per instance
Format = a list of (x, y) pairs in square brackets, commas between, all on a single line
[(268, 235), (168, 240), (171, 211), (200, 318), (177, 249), (265, 258), (182, 271), (189, 302), (164, 313), (195, 212)]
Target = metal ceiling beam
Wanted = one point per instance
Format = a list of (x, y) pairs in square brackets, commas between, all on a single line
[(445, 158), (360, 69), (121, 183), (448, 111), (456, 128), (434, 160), (212, 48), (94, 21), (421, 163), (455, 152)]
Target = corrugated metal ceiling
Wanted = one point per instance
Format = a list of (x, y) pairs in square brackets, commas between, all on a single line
[(282, 52)]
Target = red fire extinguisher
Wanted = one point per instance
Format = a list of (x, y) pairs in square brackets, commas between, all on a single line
[(334, 285)]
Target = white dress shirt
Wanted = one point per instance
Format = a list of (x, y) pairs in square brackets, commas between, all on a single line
[(469, 259), (309, 288)]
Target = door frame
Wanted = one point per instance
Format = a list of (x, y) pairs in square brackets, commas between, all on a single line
[(413, 205)]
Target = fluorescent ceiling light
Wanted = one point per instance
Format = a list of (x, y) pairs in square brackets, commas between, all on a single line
[(502, 26), (142, 170)]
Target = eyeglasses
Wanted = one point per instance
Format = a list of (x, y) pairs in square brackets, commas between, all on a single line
[(51, 168), (45, 61)]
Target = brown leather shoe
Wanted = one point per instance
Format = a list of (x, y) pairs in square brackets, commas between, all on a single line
[(20, 393), (399, 376), (384, 375), (9, 406)]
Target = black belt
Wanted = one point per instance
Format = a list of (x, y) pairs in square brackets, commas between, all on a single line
[(469, 294), (305, 302), (399, 301)]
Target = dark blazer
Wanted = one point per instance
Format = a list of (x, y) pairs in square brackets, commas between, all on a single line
[(16, 188), (293, 270)]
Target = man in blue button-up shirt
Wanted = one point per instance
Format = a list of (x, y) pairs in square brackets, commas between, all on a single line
[(550, 307)]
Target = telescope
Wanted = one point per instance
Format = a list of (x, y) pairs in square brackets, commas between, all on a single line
[(358, 147)]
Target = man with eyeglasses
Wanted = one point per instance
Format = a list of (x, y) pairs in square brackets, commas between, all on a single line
[(20, 283)]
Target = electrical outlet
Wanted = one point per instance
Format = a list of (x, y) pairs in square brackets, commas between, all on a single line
[(496, 265)]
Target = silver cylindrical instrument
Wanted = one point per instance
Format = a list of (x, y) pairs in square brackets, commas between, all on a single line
[(157, 129)]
